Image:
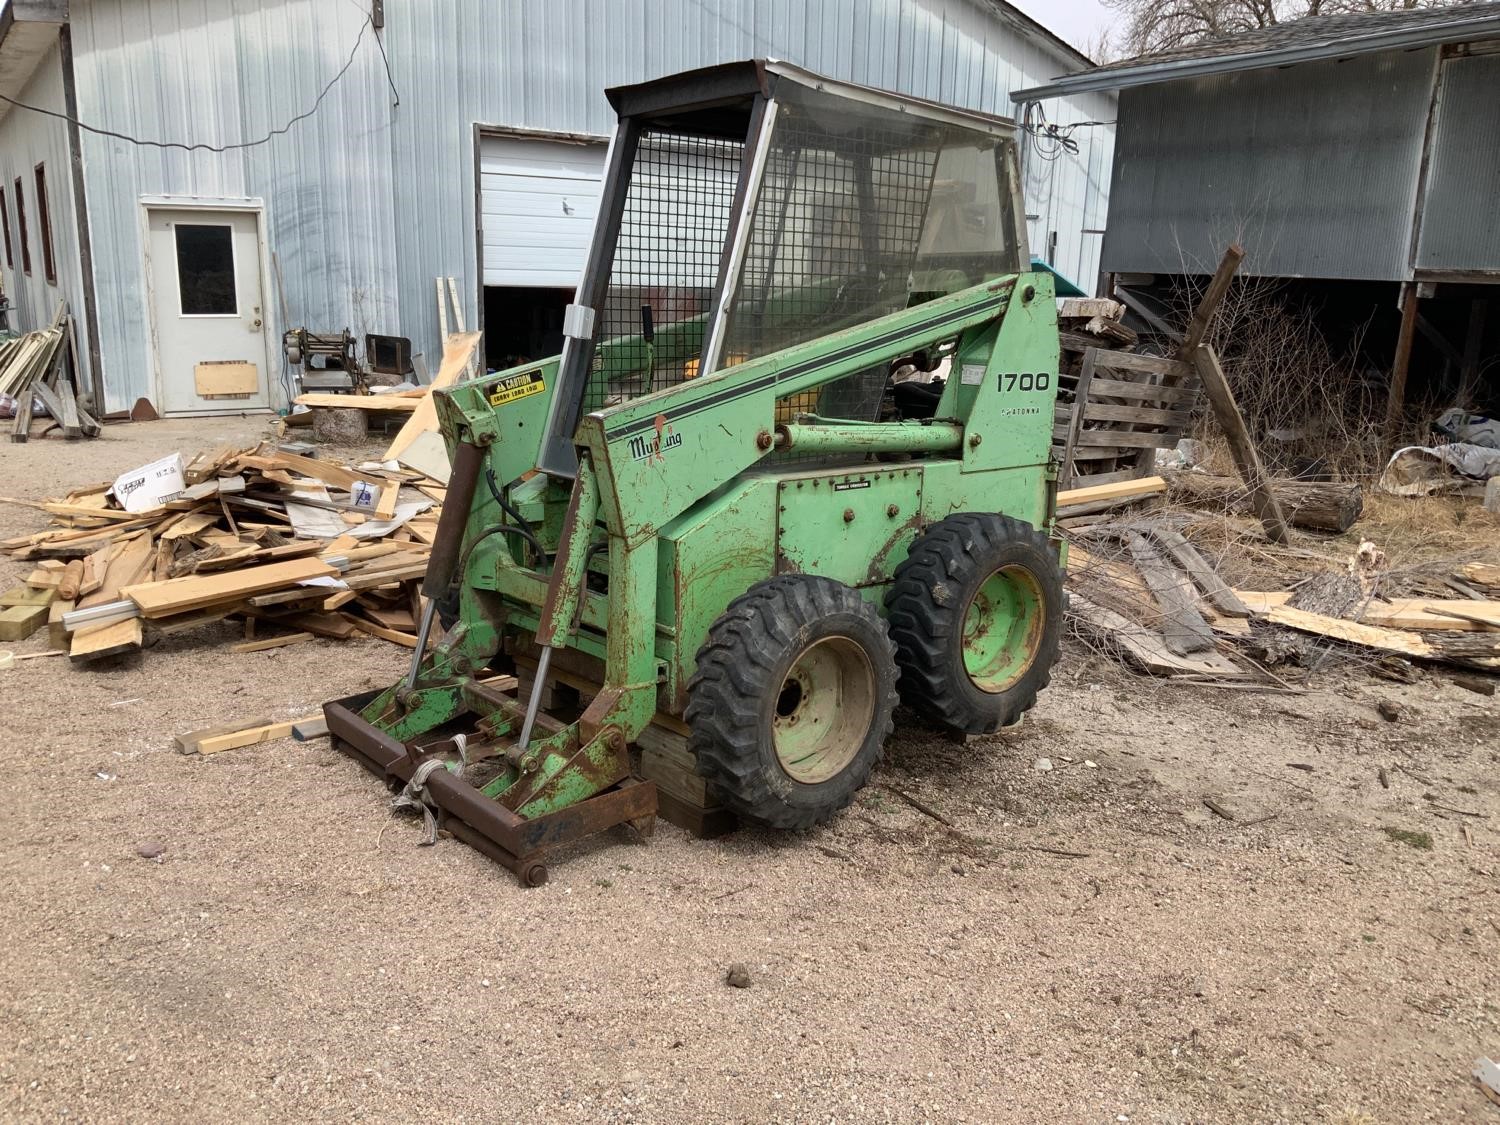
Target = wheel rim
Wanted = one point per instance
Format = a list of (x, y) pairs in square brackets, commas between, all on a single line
[(1003, 628), (823, 710)]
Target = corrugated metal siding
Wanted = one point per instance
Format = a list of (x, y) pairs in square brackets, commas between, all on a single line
[(366, 203), (524, 64), (226, 71), (26, 140), (1460, 220), (1313, 169)]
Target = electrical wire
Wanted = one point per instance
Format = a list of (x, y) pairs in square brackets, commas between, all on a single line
[(201, 147), (1049, 141), (521, 527)]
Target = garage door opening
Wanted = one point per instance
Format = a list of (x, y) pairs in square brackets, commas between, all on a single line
[(538, 196), (522, 324)]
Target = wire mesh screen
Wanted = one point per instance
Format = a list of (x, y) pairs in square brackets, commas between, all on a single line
[(835, 234), (666, 265)]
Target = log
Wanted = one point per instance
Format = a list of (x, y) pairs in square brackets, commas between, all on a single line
[(1313, 505), (1246, 457)]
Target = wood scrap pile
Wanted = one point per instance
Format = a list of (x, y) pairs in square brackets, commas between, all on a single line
[(290, 545), (1092, 322), (1141, 590), (35, 367)]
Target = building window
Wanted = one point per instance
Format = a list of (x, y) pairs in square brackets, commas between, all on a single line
[(44, 225), (10, 262), (205, 270), (21, 226)]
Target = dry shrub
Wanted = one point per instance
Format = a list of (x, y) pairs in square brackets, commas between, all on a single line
[(1307, 402)]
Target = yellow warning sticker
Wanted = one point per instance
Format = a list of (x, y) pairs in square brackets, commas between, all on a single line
[(509, 389)]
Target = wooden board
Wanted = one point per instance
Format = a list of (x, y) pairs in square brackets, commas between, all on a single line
[(1145, 648), (128, 566), (309, 729), (405, 639), (456, 354), (1185, 555), (360, 402), (1485, 574), (1182, 627), (270, 642), (1148, 364), (28, 595), (1246, 458), (249, 736), (17, 622), (1147, 392), (220, 378), (325, 471), (1455, 615), (188, 743), (1370, 636), (106, 640), (1259, 601), (1120, 490), (428, 455), (178, 595), (57, 633)]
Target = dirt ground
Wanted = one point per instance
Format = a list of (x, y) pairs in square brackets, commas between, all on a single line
[(1087, 944)]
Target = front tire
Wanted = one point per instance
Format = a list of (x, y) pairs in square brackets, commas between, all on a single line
[(976, 613), (791, 703)]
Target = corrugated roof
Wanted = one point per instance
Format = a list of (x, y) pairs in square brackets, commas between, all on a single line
[(1312, 30), (1303, 40)]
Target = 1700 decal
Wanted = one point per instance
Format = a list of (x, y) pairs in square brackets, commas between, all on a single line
[(1024, 381)]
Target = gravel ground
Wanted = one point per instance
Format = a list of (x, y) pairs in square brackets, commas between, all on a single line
[(1088, 944)]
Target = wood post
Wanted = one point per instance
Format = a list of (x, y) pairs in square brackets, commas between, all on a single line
[(1262, 500), (1208, 305), (1396, 402), (1468, 378)]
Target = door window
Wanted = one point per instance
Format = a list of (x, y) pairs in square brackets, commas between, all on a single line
[(205, 269)]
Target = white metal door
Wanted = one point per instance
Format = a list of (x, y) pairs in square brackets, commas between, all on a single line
[(206, 292), (538, 201)]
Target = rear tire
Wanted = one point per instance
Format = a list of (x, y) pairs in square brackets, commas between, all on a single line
[(976, 613), (791, 703)]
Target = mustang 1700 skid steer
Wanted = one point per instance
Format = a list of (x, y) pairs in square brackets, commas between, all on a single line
[(791, 465)]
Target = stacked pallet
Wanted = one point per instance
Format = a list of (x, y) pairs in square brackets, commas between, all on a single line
[(290, 546), (35, 367)]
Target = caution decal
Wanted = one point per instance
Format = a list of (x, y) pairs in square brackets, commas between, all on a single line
[(509, 389)]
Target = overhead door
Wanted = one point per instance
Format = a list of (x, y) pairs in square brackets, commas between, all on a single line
[(538, 201)]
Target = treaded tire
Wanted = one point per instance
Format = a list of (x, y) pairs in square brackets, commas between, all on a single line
[(746, 698), (928, 604)]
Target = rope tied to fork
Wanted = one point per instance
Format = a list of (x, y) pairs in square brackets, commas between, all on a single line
[(415, 796)]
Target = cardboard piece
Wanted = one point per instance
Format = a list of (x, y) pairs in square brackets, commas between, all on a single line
[(150, 486)]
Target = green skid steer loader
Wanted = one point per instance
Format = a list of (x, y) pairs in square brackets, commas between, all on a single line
[(792, 465)]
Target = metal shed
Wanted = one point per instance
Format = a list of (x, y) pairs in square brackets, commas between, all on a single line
[(355, 151), (1348, 148)]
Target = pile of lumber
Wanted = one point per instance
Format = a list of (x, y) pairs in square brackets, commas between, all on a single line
[(1093, 322), (289, 545), (1140, 590), (36, 367)]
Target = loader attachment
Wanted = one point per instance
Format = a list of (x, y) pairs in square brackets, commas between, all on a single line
[(515, 841)]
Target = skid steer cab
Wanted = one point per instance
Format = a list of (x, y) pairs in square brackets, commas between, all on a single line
[(792, 466)]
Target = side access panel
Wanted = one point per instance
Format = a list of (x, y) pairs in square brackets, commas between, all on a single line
[(855, 526)]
